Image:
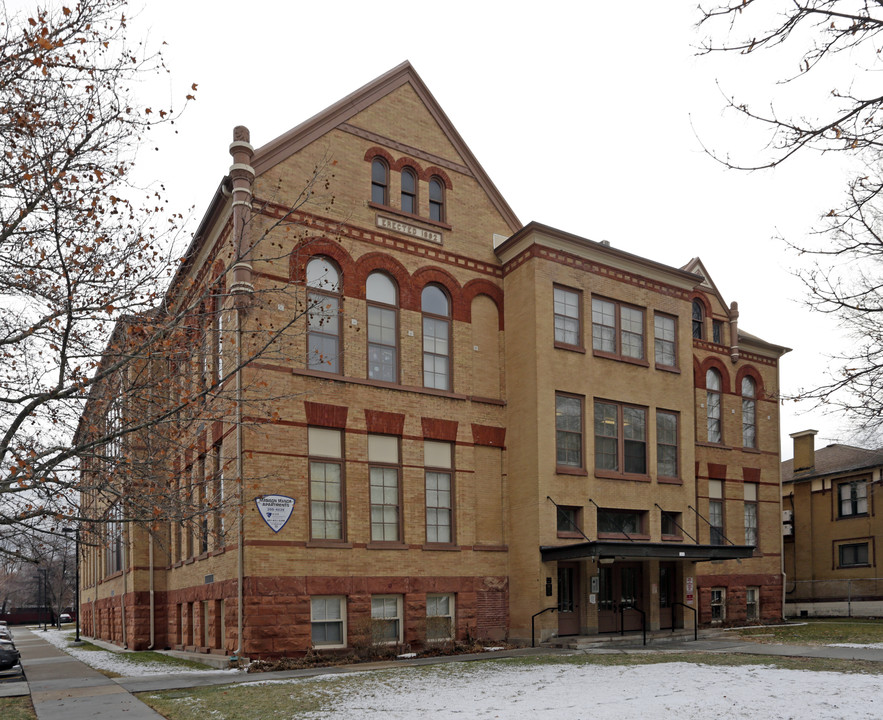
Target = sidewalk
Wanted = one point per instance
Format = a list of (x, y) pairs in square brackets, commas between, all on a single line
[(63, 688)]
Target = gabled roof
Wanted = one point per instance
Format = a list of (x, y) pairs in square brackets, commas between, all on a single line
[(696, 266), (285, 145), (835, 460)]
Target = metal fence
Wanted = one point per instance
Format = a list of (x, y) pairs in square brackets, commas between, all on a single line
[(856, 596)]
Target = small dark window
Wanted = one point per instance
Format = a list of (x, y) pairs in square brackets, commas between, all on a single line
[(854, 554), (436, 200), (620, 522), (568, 520), (409, 191), (698, 320), (670, 524), (379, 182), (717, 329)]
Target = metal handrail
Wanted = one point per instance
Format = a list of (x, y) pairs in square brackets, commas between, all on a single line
[(622, 609), (533, 618), (695, 620)]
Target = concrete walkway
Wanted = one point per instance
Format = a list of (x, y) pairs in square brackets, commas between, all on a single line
[(63, 688)]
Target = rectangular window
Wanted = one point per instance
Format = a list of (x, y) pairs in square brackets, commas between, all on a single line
[(853, 498), (386, 618), (853, 554), (620, 438), (666, 444), (323, 332), (328, 621), (717, 331), (326, 483), (716, 511), (568, 323), (439, 617), (718, 604), (617, 329), (671, 522), (382, 346), (751, 514), (114, 553), (569, 521), (383, 459), (620, 522), (665, 340), (752, 603), (569, 431), (439, 491)]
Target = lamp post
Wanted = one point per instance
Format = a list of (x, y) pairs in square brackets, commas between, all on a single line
[(76, 531)]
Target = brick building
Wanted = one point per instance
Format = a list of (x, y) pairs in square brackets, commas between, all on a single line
[(459, 421), (831, 529)]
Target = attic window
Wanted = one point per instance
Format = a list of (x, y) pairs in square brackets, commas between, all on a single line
[(379, 182), (436, 200)]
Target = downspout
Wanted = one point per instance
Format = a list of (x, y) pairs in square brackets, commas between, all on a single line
[(734, 331), (125, 588), (242, 177), (152, 605)]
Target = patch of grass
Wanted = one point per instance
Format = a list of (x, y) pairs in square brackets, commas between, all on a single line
[(820, 632), (289, 699), (17, 708), (148, 656)]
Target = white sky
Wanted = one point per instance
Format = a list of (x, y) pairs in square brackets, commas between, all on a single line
[(585, 116)]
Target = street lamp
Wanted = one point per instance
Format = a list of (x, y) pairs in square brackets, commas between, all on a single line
[(76, 531)]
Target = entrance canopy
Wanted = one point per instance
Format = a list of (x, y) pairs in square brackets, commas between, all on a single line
[(619, 550)]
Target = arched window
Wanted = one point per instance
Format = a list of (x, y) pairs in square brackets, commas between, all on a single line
[(436, 200), (749, 412), (383, 329), (323, 315), (713, 404), (698, 320), (409, 191), (379, 181), (436, 338)]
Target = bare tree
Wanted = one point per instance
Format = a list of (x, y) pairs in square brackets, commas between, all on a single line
[(103, 379), (826, 39)]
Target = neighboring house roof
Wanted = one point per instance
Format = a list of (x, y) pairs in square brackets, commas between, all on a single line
[(834, 460)]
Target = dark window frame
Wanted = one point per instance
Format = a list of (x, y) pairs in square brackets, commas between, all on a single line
[(675, 521), (616, 527), (622, 457), (382, 310), (409, 196), (568, 521), (437, 200), (316, 295), (659, 341), (619, 332), (660, 444), (568, 467), (697, 315), (380, 185), (854, 499), (559, 338), (434, 319), (844, 550)]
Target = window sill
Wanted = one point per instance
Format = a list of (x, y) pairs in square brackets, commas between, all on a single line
[(668, 368), (571, 535), (572, 348), (852, 516), (386, 546), (565, 470), (672, 538), (621, 358), (853, 567), (719, 446), (444, 547), (669, 481), (752, 450), (613, 475), (409, 216), (329, 544)]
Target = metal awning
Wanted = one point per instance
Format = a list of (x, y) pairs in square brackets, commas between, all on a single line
[(619, 550)]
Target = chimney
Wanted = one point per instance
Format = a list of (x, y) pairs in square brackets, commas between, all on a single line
[(804, 450)]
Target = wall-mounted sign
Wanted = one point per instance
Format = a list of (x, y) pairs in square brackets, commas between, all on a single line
[(275, 510), (408, 229)]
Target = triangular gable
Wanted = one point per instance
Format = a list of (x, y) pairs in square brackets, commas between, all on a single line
[(695, 266), (343, 110)]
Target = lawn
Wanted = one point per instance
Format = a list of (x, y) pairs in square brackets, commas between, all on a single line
[(686, 685), (17, 708), (826, 631)]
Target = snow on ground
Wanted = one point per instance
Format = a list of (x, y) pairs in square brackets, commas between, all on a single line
[(112, 661), (871, 646), (506, 691)]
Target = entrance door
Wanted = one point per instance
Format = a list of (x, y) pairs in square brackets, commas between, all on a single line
[(620, 589), (667, 595), (568, 598)]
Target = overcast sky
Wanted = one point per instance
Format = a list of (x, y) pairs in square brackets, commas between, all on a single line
[(589, 117)]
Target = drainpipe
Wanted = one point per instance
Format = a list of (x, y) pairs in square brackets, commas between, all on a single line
[(242, 177), (125, 589), (152, 605), (734, 331)]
